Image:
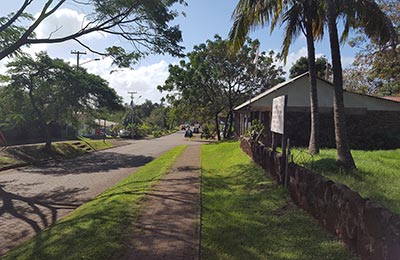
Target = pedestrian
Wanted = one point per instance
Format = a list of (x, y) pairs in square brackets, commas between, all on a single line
[(188, 133)]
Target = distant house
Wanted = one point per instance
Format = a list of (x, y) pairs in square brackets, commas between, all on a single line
[(372, 122)]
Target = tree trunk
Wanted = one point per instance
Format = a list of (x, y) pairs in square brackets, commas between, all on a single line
[(217, 127), (47, 146), (345, 159), (230, 125), (313, 146), (43, 125), (226, 126)]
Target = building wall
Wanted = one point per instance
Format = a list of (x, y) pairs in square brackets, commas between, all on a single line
[(298, 93), (372, 130)]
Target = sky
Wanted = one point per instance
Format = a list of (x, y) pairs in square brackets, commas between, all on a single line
[(203, 19)]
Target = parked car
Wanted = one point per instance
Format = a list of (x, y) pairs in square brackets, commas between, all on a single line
[(123, 133), (196, 128)]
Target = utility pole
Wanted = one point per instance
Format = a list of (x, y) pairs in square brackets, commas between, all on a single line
[(132, 107), (78, 54)]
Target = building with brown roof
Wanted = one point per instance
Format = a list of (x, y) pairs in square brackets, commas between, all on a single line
[(372, 122)]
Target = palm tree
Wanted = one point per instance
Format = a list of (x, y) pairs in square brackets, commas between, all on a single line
[(364, 14), (298, 16)]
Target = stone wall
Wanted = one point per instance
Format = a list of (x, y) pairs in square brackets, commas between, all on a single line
[(369, 229)]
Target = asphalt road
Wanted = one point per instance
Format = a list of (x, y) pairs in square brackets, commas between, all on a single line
[(34, 197)]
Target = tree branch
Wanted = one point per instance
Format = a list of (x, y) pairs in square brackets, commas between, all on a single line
[(15, 16), (23, 40), (90, 49)]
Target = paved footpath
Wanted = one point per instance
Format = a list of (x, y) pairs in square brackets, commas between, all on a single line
[(169, 225)]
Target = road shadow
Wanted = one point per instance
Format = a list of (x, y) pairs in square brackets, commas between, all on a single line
[(41, 210), (92, 163)]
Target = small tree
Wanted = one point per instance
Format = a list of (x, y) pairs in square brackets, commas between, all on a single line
[(301, 66), (57, 92)]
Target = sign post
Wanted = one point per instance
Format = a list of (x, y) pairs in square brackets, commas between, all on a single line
[(279, 105)]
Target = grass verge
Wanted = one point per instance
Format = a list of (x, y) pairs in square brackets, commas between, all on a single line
[(247, 216), (98, 229), (12, 156), (377, 176), (95, 144)]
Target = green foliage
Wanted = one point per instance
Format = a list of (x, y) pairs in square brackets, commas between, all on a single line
[(100, 228), (157, 134), (375, 68), (50, 91), (301, 66), (12, 33), (214, 79), (15, 109), (148, 117), (377, 176), (247, 216), (257, 127)]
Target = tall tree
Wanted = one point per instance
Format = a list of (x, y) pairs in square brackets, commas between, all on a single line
[(216, 80), (298, 16), (376, 67), (58, 92), (358, 15), (143, 23)]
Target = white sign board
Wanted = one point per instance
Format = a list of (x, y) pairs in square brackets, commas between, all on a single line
[(278, 112)]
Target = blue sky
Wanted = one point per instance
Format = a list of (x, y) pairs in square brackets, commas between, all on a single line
[(204, 19)]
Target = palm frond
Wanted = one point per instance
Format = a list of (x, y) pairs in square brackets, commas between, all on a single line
[(292, 20), (250, 15)]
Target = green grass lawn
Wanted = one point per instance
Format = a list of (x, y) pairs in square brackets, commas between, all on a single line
[(96, 144), (6, 160), (98, 229), (60, 150), (377, 176), (247, 216)]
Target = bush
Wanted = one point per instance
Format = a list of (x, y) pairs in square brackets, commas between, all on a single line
[(157, 134)]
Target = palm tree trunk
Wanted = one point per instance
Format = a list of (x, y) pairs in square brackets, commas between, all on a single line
[(345, 159), (313, 146)]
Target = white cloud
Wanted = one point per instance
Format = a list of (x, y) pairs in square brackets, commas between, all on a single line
[(62, 23), (347, 61), (3, 63), (294, 56), (143, 80)]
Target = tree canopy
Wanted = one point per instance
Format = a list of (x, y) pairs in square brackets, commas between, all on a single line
[(296, 17), (144, 24), (214, 79), (50, 91), (376, 67), (301, 66)]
